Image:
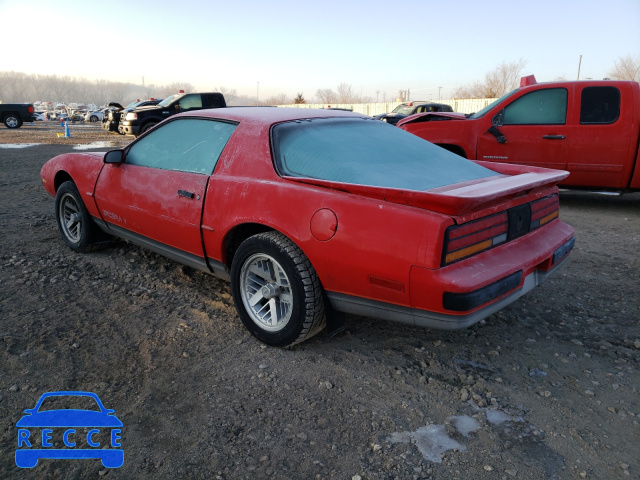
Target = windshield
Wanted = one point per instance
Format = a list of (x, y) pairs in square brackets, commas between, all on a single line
[(493, 104), (402, 109), (364, 152), (168, 100)]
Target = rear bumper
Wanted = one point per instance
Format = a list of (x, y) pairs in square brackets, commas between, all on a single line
[(462, 294)]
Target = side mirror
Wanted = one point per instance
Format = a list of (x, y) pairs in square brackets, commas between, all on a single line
[(177, 106), (114, 157), (498, 119)]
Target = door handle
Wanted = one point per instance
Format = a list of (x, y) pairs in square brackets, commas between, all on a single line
[(185, 194), (553, 137)]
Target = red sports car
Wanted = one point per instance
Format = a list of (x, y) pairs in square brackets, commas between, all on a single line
[(310, 213)]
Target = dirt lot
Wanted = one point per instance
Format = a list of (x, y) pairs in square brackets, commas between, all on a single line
[(546, 389)]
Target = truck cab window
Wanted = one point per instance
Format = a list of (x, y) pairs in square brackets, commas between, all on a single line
[(599, 105), (190, 101), (540, 107)]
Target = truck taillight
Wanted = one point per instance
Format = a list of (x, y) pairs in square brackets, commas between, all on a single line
[(31, 109), (462, 241)]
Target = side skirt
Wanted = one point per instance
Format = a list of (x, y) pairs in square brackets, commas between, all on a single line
[(199, 263)]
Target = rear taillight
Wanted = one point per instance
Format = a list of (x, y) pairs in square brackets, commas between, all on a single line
[(462, 241), (30, 108), (474, 237), (544, 210)]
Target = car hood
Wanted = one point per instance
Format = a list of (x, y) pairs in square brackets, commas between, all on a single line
[(146, 108), (69, 418), (460, 199), (426, 117)]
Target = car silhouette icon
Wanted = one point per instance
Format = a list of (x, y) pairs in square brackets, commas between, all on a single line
[(70, 425)]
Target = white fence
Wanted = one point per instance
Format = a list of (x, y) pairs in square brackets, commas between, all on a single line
[(461, 105)]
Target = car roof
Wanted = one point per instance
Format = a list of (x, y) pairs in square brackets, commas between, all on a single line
[(270, 115)]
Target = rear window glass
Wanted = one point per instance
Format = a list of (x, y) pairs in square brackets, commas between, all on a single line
[(366, 152), (599, 105)]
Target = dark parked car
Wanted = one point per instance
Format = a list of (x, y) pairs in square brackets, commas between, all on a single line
[(111, 120), (142, 118), (13, 115), (409, 108)]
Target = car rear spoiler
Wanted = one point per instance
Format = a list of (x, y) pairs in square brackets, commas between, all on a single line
[(461, 198)]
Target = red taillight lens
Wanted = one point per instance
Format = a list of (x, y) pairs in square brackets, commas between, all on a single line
[(30, 108), (544, 210), (474, 237), (462, 241)]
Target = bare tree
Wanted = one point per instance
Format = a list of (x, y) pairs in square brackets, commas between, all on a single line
[(504, 78), (326, 95), (299, 99), (345, 93), (280, 99), (626, 68), (230, 94)]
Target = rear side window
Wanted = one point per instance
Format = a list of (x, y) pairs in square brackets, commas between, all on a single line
[(366, 152), (540, 107), (599, 105), (185, 145)]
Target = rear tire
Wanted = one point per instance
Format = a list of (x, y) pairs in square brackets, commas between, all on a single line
[(276, 290), (12, 120)]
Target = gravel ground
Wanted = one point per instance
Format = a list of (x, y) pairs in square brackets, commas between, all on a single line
[(545, 389)]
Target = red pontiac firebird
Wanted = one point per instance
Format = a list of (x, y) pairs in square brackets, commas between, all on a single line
[(310, 213)]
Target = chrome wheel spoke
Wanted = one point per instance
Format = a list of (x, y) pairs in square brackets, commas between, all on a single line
[(266, 292)]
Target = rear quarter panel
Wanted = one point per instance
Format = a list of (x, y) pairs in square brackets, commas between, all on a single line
[(374, 240)]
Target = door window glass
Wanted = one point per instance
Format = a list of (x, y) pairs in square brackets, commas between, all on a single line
[(599, 105), (540, 107), (187, 145)]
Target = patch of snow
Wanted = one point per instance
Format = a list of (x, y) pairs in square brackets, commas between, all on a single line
[(496, 417), (465, 424), (18, 145), (432, 441), (88, 146)]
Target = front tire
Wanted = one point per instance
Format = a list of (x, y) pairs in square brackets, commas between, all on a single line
[(74, 222), (147, 127), (93, 118), (276, 290), (12, 121)]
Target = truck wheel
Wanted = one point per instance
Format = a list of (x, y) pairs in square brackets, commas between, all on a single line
[(276, 290), (12, 120), (75, 224), (93, 118), (147, 127)]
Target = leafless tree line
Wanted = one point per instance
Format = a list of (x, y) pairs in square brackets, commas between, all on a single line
[(506, 77), (18, 87)]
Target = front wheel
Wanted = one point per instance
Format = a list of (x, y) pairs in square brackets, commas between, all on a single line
[(93, 118), (12, 121), (75, 224), (147, 127), (276, 290)]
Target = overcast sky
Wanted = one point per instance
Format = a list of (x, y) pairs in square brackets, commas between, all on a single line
[(298, 46)]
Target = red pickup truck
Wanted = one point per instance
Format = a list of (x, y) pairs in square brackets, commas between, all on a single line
[(589, 128)]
